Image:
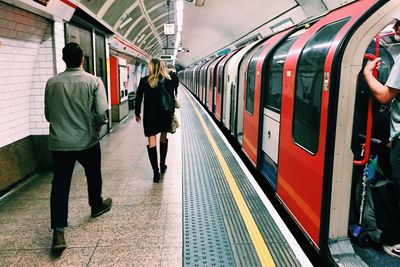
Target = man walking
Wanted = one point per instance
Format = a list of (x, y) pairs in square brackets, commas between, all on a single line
[(75, 106)]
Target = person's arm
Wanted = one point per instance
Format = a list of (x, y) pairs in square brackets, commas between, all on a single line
[(138, 99), (382, 93), (100, 106)]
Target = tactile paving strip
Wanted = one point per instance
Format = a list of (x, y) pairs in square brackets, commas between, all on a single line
[(205, 238), (207, 168)]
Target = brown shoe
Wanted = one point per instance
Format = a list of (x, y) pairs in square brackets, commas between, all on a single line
[(102, 208), (58, 244)]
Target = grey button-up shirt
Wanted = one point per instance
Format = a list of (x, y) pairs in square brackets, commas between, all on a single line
[(394, 82), (75, 104)]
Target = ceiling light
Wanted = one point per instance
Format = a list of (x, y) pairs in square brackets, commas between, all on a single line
[(125, 22), (141, 38)]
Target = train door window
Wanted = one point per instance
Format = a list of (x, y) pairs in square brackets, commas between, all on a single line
[(275, 73), (251, 76), (84, 38), (308, 88), (220, 78), (101, 58)]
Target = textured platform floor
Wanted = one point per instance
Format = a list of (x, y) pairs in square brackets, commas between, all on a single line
[(225, 221), (144, 227), (149, 224)]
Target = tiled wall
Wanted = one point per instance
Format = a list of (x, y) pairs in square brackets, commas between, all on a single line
[(46, 65), (26, 62), (59, 43), (43, 69), (30, 53)]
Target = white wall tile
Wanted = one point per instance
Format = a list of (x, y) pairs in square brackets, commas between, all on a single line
[(26, 63)]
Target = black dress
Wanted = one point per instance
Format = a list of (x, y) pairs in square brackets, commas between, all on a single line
[(154, 121)]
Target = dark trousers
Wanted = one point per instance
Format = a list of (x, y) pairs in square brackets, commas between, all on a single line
[(64, 163)]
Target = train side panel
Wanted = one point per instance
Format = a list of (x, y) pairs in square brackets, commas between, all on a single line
[(230, 96), (252, 128), (305, 99), (241, 92)]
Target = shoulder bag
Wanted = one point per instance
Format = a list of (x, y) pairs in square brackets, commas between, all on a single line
[(166, 101)]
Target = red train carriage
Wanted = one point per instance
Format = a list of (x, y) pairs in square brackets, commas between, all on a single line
[(290, 101)]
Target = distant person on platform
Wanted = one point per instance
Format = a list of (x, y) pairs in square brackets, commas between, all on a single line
[(75, 107), (174, 78), (154, 120)]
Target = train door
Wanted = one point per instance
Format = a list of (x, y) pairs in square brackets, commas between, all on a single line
[(213, 86), (218, 87), (193, 76), (219, 103), (272, 88), (201, 82), (226, 96), (303, 177), (230, 93), (209, 85), (252, 98), (253, 125), (197, 76), (241, 88)]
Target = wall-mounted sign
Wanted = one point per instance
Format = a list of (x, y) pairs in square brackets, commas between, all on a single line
[(166, 57), (169, 28), (63, 9), (42, 2)]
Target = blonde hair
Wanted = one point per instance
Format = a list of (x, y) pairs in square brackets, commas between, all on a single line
[(156, 68)]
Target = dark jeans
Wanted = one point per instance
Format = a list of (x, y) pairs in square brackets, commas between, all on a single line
[(64, 163), (395, 163)]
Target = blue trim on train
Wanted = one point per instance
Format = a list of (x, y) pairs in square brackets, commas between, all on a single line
[(269, 169)]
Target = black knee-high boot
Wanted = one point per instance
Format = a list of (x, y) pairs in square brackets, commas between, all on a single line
[(152, 151), (163, 155)]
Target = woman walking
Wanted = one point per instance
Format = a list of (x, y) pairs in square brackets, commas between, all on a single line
[(154, 120)]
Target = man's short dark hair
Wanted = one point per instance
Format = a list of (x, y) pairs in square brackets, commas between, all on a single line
[(72, 55)]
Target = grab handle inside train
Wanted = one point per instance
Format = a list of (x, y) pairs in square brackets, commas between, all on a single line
[(368, 134)]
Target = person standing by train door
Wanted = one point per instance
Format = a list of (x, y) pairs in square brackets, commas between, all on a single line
[(75, 107), (384, 94)]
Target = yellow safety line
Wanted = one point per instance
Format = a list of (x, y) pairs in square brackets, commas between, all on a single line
[(261, 248)]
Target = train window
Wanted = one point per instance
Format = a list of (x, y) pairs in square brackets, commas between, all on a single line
[(251, 76), (308, 88), (220, 78), (275, 71)]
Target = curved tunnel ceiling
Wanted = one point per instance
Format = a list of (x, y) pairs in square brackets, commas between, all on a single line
[(138, 22), (207, 28)]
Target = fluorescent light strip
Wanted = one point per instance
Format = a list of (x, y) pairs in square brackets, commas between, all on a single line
[(179, 21)]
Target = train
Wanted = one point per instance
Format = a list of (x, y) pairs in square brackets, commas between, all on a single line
[(292, 101)]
